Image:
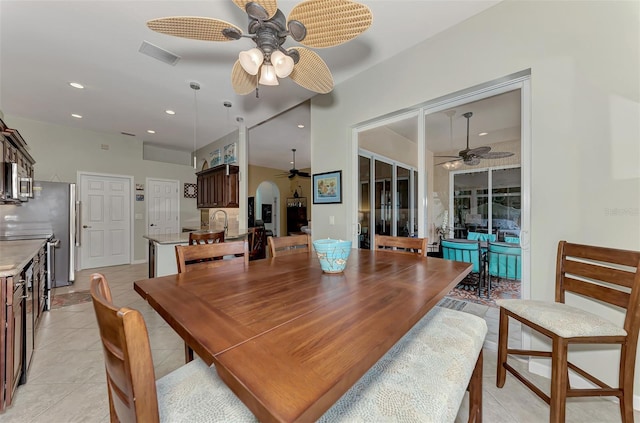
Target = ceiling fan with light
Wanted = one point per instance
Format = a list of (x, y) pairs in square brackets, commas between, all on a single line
[(312, 23), (472, 156), (293, 171)]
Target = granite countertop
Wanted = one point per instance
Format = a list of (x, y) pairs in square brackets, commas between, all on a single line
[(183, 237), (14, 255)]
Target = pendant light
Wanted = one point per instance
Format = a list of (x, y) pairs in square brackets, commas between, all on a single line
[(451, 165), (195, 87)]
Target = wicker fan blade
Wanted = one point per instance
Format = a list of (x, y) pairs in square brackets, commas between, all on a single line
[(311, 72), (304, 174), (495, 155), (331, 22), (472, 162), (193, 27), (270, 6), (243, 83), (478, 151), (450, 157)]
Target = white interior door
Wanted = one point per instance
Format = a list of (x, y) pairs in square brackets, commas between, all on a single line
[(105, 211), (163, 207)]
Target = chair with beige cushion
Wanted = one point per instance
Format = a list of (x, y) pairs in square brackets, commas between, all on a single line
[(401, 244), (192, 393), (285, 245), (607, 278)]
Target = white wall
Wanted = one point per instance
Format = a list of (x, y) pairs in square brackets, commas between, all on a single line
[(61, 151), (584, 61)]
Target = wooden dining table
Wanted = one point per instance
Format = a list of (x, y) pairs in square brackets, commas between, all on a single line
[(290, 340)]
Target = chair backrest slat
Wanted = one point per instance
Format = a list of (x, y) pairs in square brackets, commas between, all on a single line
[(401, 244), (196, 257), (603, 293), (599, 273), (131, 381), (286, 245)]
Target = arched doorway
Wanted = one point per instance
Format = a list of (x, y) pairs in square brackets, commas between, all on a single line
[(268, 206)]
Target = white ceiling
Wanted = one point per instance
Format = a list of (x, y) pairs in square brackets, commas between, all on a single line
[(47, 44)]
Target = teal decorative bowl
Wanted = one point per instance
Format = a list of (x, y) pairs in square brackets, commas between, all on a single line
[(332, 254)]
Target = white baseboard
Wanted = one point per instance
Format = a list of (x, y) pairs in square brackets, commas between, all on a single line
[(139, 261)]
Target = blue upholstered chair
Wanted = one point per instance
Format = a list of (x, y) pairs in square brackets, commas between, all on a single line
[(505, 261), (477, 236), (466, 251), (512, 239)]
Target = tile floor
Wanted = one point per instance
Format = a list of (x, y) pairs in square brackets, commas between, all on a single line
[(66, 380)]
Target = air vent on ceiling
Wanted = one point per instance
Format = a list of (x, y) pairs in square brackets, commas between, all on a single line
[(158, 53), (129, 134)]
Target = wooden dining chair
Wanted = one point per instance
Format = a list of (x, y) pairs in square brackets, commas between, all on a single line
[(208, 256), (198, 238), (257, 241), (605, 275), (189, 393), (195, 257), (285, 245), (401, 244)]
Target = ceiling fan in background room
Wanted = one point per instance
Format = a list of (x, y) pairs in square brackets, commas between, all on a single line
[(472, 156), (312, 23), (293, 171)]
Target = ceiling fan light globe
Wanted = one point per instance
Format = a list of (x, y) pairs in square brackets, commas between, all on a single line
[(251, 60), (268, 75), (282, 63), (451, 165)]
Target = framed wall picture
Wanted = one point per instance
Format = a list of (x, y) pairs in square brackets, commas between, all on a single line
[(139, 187), (139, 197), (230, 155), (190, 190), (327, 187), (216, 157)]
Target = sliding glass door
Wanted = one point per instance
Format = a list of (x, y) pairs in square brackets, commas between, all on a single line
[(486, 201), (386, 198)]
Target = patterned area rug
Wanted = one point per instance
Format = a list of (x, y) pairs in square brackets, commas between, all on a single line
[(468, 307), (467, 290), (72, 298)]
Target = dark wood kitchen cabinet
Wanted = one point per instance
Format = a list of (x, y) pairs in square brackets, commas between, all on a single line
[(296, 214), (219, 187), (22, 299)]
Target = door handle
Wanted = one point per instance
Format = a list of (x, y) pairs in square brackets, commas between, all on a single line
[(153, 224), (85, 226)]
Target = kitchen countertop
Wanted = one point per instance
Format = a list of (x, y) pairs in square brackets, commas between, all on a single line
[(14, 255), (183, 237)]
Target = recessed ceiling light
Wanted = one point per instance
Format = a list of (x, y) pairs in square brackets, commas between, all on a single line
[(151, 131), (77, 116), (76, 85), (170, 112), (301, 126), (482, 134)]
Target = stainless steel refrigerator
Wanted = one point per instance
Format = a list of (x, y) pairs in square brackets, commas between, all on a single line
[(50, 214)]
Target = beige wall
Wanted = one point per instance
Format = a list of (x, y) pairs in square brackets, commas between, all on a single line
[(286, 186), (585, 155), (61, 152)]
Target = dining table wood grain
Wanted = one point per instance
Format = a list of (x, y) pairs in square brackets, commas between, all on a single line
[(290, 340)]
